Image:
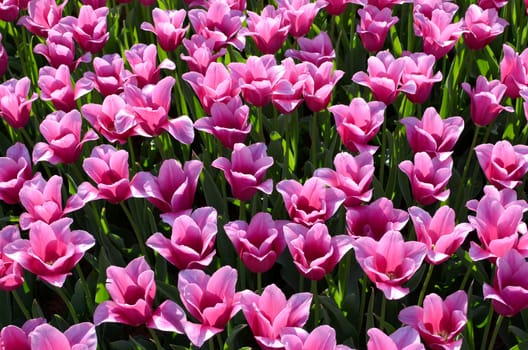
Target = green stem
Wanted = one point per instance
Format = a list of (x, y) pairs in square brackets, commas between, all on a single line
[(383, 312), (466, 169), (155, 338), (425, 284), (313, 135), (68, 303), (315, 294), (87, 293), (489, 317), (259, 281), (21, 305), (135, 228), (466, 277), (495, 332)]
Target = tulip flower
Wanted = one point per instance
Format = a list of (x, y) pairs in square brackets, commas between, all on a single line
[(419, 69), (509, 293), (426, 7), (246, 171), (268, 30), (358, 123), (9, 10), (433, 134), (192, 242), (389, 262), (503, 164), (321, 338), (109, 74), (374, 25), (142, 59), (11, 273), (89, 29), (315, 253), (42, 16), (287, 94), (15, 106), (60, 48), (337, 7), (318, 85), (62, 131), (485, 100), (15, 338), (168, 27), (172, 191), (381, 3), (316, 51), (299, 14), (47, 337), (405, 338), (428, 177), (439, 232), (132, 289), (201, 53), (15, 170), (482, 26), (375, 219), (310, 203), (51, 251), (268, 314), (4, 60), (513, 70), (495, 4), (258, 243)]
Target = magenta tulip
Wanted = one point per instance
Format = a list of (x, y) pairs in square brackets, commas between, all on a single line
[(514, 70), (142, 59), (15, 338), (321, 338), (374, 25), (268, 30), (168, 27), (89, 29), (15, 105), (42, 16), (319, 82), (109, 74), (419, 69), (11, 273), (482, 25), (15, 169), (316, 51), (405, 338)]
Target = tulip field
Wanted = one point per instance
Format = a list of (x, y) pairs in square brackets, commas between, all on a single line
[(245, 174)]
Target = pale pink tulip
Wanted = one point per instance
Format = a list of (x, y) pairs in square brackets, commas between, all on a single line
[(15, 338), (78, 336), (405, 338), (321, 338), (168, 27), (15, 169), (15, 105)]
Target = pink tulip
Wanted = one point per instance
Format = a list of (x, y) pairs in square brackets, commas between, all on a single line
[(167, 27), (439, 322), (419, 69), (201, 53), (439, 232), (172, 191), (428, 177), (258, 244), (192, 242), (216, 85), (62, 132), (503, 164), (358, 123), (9, 10), (389, 262), (4, 59), (246, 171), (514, 70), (426, 7), (496, 4), (310, 203), (268, 30), (229, 122), (337, 7), (15, 169), (60, 48), (78, 336), (509, 293), (318, 85), (142, 60), (268, 314), (433, 134), (257, 78), (482, 26), (94, 3), (42, 16), (405, 338), (15, 106), (299, 14), (43, 201), (321, 338), (384, 77), (374, 26), (381, 3), (485, 100), (353, 176), (108, 168), (56, 86), (132, 289), (109, 74), (317, 50), (439, 34), (287, 94), (15, 338), (89, 29), (315, 253), (498, 223), (51, 251), (375, 219), (11, 273)]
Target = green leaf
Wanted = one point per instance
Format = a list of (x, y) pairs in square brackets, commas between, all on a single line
[(231, 340), (101, 294)]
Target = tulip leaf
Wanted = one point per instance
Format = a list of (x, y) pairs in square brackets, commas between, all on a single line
[(334, 316), (6, 314), (231, 341), (101, 294), (167, 290), (36, 310), (122, 345), (518, 332)]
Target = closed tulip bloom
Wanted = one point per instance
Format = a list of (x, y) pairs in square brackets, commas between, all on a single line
[(268, 314), (62, 132), (509, 293), (358, 123), (109, 74), (42, 16), (201, 53), (310, 203), (9, 10), (268, 30), (168, 27), (78, 336), (229, 122), (433, 134), (173, 190), (405, 338), (15, 169), (374, 26), (89, 29), (142, 59), (60, 48), (375, 219), (246, 170), (11, 272), (337, 7), (321, 338), (419, 69), (16, 338), (389, 262), (315, 253), (495, 4), (51, 251), (439, 322), (429, 177), (15, 105), (514, 70), (439, 232), (485, 100), (258, 243), (132, 290), (317, 50), (503, 164), (192, 242), (319, 82), (482, 26)]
